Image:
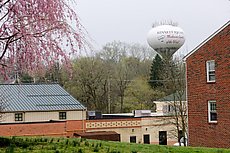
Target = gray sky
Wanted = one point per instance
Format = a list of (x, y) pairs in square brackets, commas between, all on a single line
[(130, 20)]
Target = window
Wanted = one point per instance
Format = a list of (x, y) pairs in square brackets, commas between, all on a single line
[(146, 139), (162, 137), (168, 109), (133, 139), (171, 108), (62, 115), (212, 115), (18, 117), (210, 66)]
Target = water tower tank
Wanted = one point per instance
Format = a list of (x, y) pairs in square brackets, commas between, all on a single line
[(166, 39)]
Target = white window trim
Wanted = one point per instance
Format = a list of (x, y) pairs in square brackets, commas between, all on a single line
[(209, 116), (207, 71)]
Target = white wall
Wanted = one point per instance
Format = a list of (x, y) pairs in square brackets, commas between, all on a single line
[(43, 116), (138, 128)]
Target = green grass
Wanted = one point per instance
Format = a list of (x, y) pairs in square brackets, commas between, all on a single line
[(73, 145)]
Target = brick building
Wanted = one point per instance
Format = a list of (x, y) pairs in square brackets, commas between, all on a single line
[(22, 103), (208, 91), (48, 110), (39, 109)]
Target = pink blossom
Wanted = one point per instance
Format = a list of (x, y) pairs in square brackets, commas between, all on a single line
[(36, 33)]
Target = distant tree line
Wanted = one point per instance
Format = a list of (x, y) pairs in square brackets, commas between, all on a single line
[(121, 77), (114, 80)]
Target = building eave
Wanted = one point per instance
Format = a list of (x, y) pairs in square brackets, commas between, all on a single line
[(206, 40), (29, 111)]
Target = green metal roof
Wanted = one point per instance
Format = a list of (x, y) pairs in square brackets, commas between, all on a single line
[(173, 97), (37, 97)]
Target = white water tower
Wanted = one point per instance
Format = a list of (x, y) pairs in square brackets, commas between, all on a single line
[(166, 39)]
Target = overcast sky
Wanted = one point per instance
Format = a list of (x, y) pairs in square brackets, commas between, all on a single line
[(130, 20)]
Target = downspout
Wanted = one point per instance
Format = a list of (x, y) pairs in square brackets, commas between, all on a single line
[(186, 92), (83, 120)]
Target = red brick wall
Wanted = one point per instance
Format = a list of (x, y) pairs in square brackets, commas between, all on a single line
[(75, 126), (65, 128), (33, 129), (202, 133)]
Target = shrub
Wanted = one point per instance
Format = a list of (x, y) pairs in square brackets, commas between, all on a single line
[(86, 143), (18, 142), (67, 142), (4, 142), (74, 143), (45, 140), (54, 147), (10, 149), (82, 139), (56, 151), (80, 151), (96, 149)]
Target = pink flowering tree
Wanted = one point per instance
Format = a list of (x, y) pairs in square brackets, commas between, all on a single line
[(34, 34)]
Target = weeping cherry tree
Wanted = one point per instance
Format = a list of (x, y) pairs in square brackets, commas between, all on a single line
[(35, 34)]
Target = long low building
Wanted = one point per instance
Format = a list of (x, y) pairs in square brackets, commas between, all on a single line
[(22, 103), (48, 110)]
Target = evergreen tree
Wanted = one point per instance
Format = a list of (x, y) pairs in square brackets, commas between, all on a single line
[(156, 72)]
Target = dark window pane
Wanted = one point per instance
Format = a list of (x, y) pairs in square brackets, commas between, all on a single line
[(18, 117), (213, 116), (213, 107), (212, 76), (211, 65), (62, 115), (133, 139)]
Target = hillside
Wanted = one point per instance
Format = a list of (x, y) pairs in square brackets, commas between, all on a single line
[(66, 145)]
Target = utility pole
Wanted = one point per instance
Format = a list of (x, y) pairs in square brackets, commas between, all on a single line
[(109, 100)]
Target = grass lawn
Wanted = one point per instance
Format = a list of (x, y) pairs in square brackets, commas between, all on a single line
[(74, 145)]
